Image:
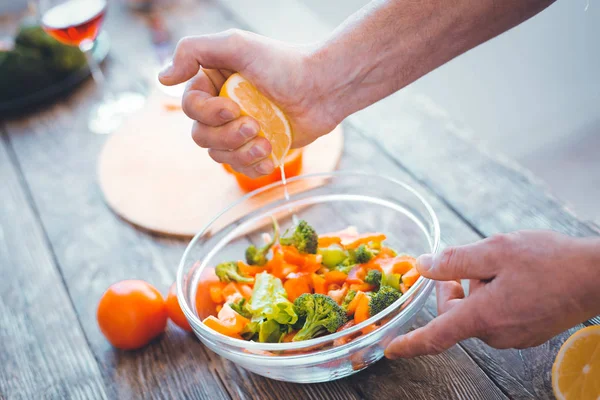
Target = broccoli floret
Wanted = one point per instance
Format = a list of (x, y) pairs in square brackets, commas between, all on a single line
[(345, 266), (256, 256), (229, 271), (382, 299), (322, 315), (304, 238), (363, 254), (349, 297), (374, 278), (241, 308)]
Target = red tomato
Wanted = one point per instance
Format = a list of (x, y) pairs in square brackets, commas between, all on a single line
[(174, 310), (131, 313)]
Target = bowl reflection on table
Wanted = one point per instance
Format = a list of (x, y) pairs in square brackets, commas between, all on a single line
[(329, 202)]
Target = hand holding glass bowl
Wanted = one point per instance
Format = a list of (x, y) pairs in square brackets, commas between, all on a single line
[(329, 202)]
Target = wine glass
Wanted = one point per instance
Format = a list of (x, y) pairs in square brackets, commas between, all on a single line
[(78, 23)]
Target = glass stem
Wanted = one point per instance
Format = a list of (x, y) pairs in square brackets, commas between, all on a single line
[(97, 74)]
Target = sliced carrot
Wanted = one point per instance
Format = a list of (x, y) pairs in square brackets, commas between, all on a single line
[(230, 289), (335, 277), (362, 310), (295, 287), (246, 291), (216, 292), (365, 238), (251, 270), (409, 278), (355, 301), (337, 294), (319, 284), (326, 241), (219, 308), (219, 326)]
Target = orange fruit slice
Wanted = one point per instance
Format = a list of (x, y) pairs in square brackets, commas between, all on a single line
[(576, 369), (274, 125)]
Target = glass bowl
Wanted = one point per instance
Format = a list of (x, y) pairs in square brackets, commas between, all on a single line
[(328, 202)]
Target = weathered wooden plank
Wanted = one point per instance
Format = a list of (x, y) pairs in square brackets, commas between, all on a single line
[(92, 246), (44, 352)]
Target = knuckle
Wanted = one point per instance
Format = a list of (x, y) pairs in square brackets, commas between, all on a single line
[(243, 157), (501, 240), (235, 36), (434, 346), (184, 45), (450, 257), (200, 137)]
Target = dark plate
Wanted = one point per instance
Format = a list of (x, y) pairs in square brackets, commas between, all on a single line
[(100, 51)]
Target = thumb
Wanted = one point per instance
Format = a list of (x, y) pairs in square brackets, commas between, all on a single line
[(443, 332), (473, 261), (226, 50)]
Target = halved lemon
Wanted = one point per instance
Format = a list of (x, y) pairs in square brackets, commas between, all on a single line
[(274, 126), (576, 369)]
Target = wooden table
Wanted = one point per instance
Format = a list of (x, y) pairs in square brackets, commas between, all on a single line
[(61, 247)]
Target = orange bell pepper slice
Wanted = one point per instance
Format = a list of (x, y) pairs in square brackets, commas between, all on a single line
[(251, 270), (319, 284), (230, 289), (365, 238), (337, 277), (363, 287), (409, 278), (205, 305), (326, 241), (246, 291), (232, 319), (297, 286), (353, 305), (215, 291), (397, 265), (356, 274), (292, 256), (362, 310)]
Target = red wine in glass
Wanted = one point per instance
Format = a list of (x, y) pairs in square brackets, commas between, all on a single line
[(75, 22), (78, 23)]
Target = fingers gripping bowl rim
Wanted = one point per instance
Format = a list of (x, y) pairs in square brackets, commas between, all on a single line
[(323, 358)]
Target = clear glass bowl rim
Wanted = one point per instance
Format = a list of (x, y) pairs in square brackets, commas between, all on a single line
[(421, 283)]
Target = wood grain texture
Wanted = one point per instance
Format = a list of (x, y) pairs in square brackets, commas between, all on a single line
[(44, 352)]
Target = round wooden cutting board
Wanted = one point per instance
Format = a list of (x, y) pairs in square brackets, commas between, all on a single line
[(153, 175)]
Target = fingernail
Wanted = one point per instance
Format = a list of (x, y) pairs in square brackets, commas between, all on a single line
[(167, 70), (390, 354), (257, 152), (424, 262), (248, 131), (226, 114), (265, 167)]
